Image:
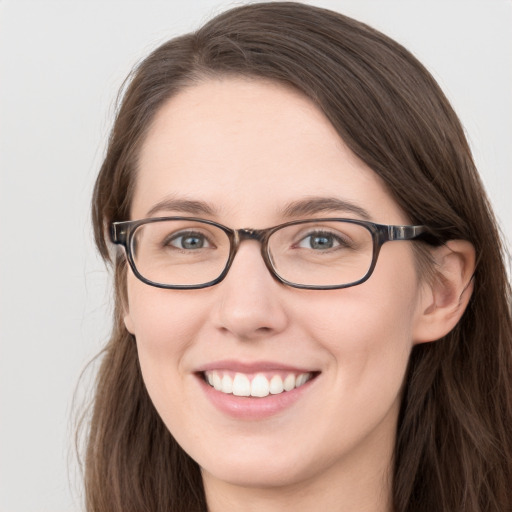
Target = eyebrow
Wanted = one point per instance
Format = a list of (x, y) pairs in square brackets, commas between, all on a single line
[(299, 208), (314, 205), (190, 206)]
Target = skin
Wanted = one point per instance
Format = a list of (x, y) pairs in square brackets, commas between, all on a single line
[(228, 142)]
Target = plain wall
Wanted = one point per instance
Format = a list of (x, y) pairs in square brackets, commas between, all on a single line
[(61, 63)]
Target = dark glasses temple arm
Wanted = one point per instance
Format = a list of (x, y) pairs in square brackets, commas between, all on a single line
[(411, 233), (119, 232)]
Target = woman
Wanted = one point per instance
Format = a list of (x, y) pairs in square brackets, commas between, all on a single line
[(312, 310)]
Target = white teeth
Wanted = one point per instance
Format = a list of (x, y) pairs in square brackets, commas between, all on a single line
[(217, 382), (301, 379), (227, 384), (276, 385), (289, 382), (260, 386), (241, 385)]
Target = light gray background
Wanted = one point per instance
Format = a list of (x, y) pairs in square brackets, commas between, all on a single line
[(61, 63)]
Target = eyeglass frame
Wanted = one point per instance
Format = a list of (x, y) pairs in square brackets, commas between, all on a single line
[(121, 233)]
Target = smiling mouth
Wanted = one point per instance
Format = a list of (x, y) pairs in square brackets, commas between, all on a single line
[(258, 385)]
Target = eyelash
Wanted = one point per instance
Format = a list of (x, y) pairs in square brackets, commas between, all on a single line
[(340, 241), (190, 234)]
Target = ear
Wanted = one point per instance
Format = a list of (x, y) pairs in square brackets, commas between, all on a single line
[(128, 323), (447, 294), (127, 317), (122, 274)]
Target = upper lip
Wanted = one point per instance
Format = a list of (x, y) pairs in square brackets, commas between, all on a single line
[(251, 367)]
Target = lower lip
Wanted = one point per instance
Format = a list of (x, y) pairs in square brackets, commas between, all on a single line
[(253, 408)]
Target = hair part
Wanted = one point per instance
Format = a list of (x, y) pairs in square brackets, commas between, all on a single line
[(454, 440)]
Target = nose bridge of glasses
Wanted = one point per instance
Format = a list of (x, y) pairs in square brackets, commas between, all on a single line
[(250, 234), (258, 235)]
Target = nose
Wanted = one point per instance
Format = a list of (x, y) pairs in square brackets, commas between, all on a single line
[(250, 304)]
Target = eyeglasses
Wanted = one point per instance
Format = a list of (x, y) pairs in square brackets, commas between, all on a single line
[(317, 254)]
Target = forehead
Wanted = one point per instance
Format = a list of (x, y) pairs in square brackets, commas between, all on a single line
[(247, 148)]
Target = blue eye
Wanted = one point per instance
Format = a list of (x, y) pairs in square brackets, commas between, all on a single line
[(319, 241), (189, 241)]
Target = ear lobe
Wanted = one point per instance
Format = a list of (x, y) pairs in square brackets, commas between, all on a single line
[(128, 323), (447, 295)]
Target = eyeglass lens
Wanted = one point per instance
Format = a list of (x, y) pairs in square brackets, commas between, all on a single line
[(191, 253)]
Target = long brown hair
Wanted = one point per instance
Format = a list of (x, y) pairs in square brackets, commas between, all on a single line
[(454, 439)]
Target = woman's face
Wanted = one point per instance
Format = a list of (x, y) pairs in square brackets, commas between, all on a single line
[(247, 153)]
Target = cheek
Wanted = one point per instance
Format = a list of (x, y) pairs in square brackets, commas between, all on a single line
[(368, 331), (363, 317), (159, 319), (164, 326)]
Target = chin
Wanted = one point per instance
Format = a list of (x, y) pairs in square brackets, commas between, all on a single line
[(257, 474)]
